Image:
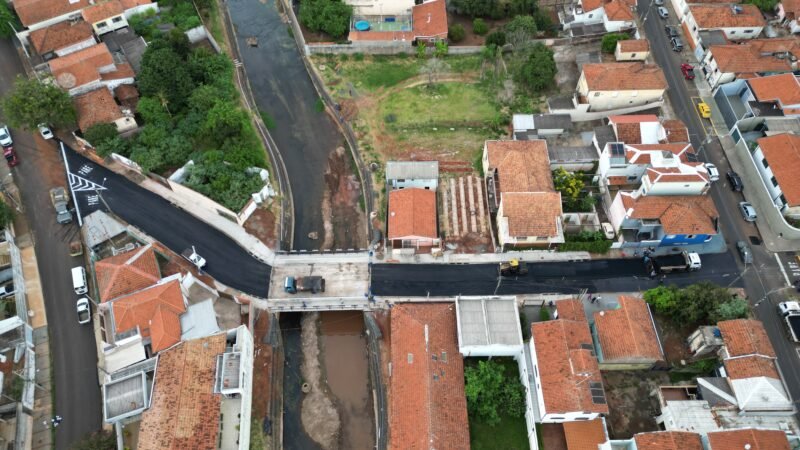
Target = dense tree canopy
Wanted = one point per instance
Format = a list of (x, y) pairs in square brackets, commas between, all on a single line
[(32, 102), (538, 70), (702, 302), (328, 16), (492, 393)]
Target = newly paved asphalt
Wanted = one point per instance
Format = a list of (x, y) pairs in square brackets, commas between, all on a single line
[(764, 283), (72, 347), (227, 262)]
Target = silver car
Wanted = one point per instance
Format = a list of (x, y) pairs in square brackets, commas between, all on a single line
[(748, 212), (663, 13)]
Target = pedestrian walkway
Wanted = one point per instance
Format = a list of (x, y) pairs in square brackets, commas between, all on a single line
[(778, 236), (485, 258)]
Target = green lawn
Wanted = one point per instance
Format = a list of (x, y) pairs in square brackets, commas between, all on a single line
[(444, 105), (509, 434)]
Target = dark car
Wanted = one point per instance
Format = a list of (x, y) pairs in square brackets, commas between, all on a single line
[(671, 31), (735, 181)]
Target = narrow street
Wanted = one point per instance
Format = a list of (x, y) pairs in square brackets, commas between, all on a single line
[(72, 347), (763, 280)]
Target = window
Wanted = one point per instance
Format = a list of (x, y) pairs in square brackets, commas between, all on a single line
[(764, 163), (748, 31), (783, 200), (694, 28), (691, 236), (117, 19), (633, 178), (597, 94), (670, 236), (774, 181), (590, 15), (733, 32), (102, 25), (633, 55)]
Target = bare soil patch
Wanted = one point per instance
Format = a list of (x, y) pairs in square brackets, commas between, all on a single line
[(630, 402), (319, 415), (263, 225), (344, 220)]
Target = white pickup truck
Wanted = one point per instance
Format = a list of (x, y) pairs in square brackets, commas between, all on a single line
[(791, 315)]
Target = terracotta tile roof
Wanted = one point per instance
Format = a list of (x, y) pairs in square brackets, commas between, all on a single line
[(81, 67), (427, 404), (94, 107), (628, 333), (784, 88), (745, 337), (584, 435), (571, 309), (121, 71), (184, 412), (634, 45), (710, 17), (782, 152), (668, 440), (678, 214), (619, 10), (522, 166), (429, 19), (128, 4), (141, 309), (755, 56), (591, 5), (532, 213), (412, 212), (624, 76), (791, 8), (757, 439), (31, 12), (566, 366), (750, 367), (676, 131), (102, 11), (127, 272), (630, 133), (60, 35)]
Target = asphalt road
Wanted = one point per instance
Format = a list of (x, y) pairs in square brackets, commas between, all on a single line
[(603, 275), (72, 346), (764, 282), (281, 86), (96, 187)]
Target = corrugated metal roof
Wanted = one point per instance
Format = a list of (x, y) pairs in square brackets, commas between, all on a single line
[(403, 170)]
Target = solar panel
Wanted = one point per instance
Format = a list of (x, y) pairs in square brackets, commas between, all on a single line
[(691, 157), (598, 395), (617, 149)]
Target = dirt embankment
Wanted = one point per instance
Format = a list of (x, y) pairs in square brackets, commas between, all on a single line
[(343, 218)]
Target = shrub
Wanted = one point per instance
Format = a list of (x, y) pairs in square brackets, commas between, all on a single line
[(544, 314), (609, 43), (497, 38), (537, 72), (457, 33), (328, 16), (6, 214), (491, 392), (479, 27), (100, 132)]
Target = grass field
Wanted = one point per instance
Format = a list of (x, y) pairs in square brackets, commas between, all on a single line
[(443, 105), (509, 434)]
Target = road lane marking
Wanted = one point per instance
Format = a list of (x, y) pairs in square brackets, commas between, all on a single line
[(78, 183), (783, 271)]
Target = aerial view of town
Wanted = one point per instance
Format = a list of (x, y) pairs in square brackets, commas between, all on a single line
[(400, 225)]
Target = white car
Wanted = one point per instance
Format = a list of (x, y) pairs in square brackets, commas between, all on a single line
[(5, 136), (45, 131), (608, 230), (663, 13), (713, 172), (84, 311), (7, 290)]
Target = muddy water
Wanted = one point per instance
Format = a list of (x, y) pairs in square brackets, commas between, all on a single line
[(294, 436), (345, 364)]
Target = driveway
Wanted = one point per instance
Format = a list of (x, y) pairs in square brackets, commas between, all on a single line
[(763, 280), (96, 187), (281, 86), (600, 275)]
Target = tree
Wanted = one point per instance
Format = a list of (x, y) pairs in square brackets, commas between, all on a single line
[(223, 122), (7, 19), (99, 440), (544, 20), (538, 70), (164, 76), (100, 132), (664, 299), (456, 33), (497, 38), (735, 308), (422, 50), (521, 7), (767, 6), (491, 392), (32, 102), (520, 30), (433, 68), (6, 214), (328, 16), (697, 303), (479, 27), (440, 50), (569, 184), (609, 43), (116, 145), (478, 8)]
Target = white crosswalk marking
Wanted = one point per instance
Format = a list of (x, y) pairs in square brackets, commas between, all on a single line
[(78, 183)]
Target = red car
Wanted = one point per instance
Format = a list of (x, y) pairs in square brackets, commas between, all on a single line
[(688, 71), (11, 156)]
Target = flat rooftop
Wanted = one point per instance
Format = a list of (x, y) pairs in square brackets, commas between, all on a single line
[(125, 397), (488, 321)]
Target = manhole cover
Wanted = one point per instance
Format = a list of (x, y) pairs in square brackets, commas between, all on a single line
[(755, 240)]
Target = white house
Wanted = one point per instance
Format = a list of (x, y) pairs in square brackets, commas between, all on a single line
[(777, 158), (632, 50), (736, 21), (417, 174), (566, 376), (610, 86), (725, 63), (659, 169), (615, 15)]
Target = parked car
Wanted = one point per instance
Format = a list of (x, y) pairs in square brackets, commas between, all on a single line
[(671, 31), (60, 200), (744, 252), (748, 212), (5, 136), (704, 110), (713, 172), (84, 311), (11, 156), (688, 71), (608, 230), (663, 13), (659, 2), (7, 290), (677, 45), (735, 181), (45, 131)]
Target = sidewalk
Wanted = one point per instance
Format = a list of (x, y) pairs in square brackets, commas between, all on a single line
[(778, 236), (530, 256)]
